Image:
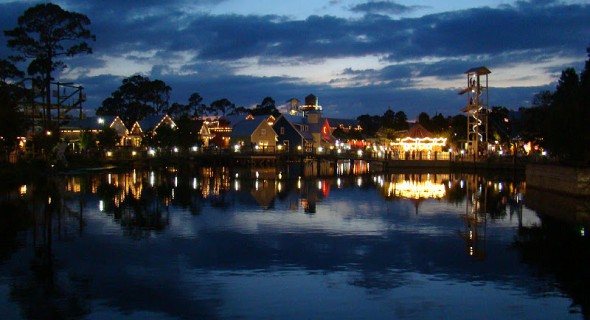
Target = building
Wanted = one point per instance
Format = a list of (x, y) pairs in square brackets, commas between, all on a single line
[(72, 130), (304, 128), (147, 127), (254, 134)]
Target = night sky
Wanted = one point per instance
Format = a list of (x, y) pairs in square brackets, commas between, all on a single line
[(357, 56)]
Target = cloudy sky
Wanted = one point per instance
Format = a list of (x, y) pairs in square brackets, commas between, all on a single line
[(357, 56)]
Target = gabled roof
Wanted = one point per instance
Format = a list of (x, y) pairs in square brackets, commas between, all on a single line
[(418, 131), (296, 123), (235, 118), (246, 127), (293, 119), (151, 122)]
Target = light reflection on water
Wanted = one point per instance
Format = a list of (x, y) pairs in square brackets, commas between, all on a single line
[(215, 243)]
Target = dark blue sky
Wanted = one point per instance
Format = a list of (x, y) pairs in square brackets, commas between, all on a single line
[(357, 56)]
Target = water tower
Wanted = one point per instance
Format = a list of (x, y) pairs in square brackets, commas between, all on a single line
[(477, 110)]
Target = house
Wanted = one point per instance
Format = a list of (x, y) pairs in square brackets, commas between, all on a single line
[(72, 130), (292, 135), (148, 126), (308, 132), (254, 133)]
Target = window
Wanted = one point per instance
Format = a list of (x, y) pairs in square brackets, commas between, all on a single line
[(263, 132), (282, 130)]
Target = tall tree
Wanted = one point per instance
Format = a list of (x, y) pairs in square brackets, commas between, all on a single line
[(266, 107), (565, 125), (196, 105), (424, 120), (401, 121), (388, 119), (107, 138), (370, 124), (222, 107), (136, 98), (44, 34), (12, 120), (439, 123)]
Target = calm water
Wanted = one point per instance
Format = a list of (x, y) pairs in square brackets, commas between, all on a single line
[(216, 243)]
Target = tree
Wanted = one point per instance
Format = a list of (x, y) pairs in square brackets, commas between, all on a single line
[(370, 124), (136, 98), (165, 137), (266, 107), (196, 105), (439, 123), (87, 140), (458, 130), (401, 121), (221, 107), (12, 120), (388, 119), (499, 127), (107, 138), (177, 110), (8, 71), (566, 126), (186, 135), (240, 111), (424, 120), (45, 33)]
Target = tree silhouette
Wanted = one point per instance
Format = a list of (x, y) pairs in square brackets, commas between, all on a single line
[(221, 107), (136, 98), (45, 33), (12, 120)]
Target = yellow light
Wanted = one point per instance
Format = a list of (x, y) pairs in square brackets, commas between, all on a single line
[(133, 153), (109, 153)]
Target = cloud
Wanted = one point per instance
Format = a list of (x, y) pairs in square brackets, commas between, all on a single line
[(383, 7)]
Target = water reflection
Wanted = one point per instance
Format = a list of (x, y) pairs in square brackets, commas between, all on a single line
[(175, 243)]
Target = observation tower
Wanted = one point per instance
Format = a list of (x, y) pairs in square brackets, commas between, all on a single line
[(476, 110)]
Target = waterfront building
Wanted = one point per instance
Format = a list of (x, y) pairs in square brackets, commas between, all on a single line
[(304, 128), (254, 134), (148, 126), (72, 130)]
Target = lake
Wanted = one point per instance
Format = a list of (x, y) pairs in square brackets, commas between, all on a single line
[(227, 243)]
